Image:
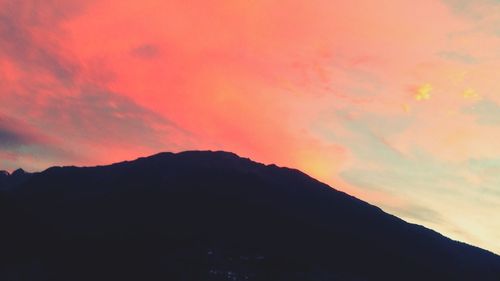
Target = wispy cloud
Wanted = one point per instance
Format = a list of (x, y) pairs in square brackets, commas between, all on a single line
[(64, 99), (486, 112)]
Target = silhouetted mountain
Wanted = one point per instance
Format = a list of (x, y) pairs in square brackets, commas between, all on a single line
[(17, 177), (214, 216)]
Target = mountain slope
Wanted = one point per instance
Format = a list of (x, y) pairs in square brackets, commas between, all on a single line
[(214, 216), (17, 177)]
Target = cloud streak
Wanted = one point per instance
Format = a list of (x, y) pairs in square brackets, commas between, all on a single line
[(14, 134), (66, 98)]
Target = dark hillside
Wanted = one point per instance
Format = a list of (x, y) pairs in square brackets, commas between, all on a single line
[(214, 216)]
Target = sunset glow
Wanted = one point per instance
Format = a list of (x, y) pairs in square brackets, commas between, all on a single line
[(396, 103)]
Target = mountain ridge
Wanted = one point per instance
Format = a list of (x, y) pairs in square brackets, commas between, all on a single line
[(236, 156), (130, 198)]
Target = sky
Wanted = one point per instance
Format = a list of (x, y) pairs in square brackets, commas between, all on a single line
[(393, 101)]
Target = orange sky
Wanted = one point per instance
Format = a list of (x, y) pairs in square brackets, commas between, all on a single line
[(392, 101)]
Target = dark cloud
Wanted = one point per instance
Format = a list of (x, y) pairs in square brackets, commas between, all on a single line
[(61, 107), (10, 138), (21, 140), (29, 32), (98, 115), (80, 122), (71, 128), (15, 134), (146, 51)]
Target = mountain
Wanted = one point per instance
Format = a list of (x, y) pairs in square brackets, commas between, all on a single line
[(202, 215), (17, 177)]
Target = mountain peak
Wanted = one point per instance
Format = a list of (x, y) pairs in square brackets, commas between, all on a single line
[(202, 153), (207, 215), (19, 172), (17, 177)]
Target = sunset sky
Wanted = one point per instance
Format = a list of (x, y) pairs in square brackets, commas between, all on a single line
[(395, 102)]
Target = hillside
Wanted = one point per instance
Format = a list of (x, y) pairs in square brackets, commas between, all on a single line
[(202, 215)]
